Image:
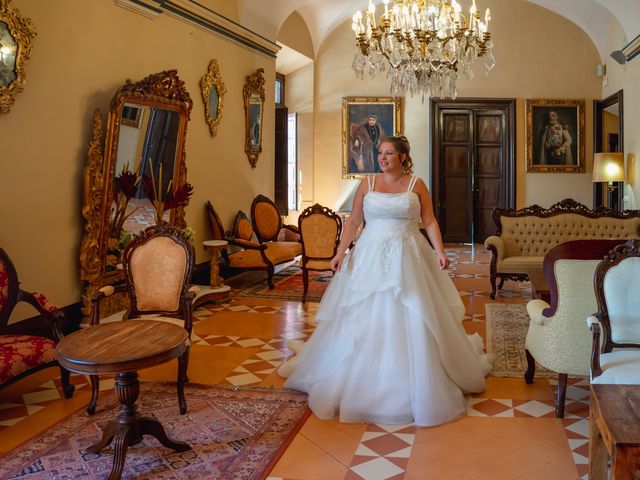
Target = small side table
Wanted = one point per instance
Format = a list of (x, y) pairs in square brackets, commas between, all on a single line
[(217, 291), (124, 348), (614, 431)]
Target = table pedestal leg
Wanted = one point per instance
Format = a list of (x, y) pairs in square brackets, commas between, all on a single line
[(129, 427), (215, 280)]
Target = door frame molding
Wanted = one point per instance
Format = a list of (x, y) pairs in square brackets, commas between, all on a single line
[(506, 104), (598, 108)]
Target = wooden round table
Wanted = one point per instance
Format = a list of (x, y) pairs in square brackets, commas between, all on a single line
[(123, 348)]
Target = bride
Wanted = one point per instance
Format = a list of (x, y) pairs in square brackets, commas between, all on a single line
[(389, 346)]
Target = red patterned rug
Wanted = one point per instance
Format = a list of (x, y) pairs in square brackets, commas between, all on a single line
[(235, 434), (289, 285)]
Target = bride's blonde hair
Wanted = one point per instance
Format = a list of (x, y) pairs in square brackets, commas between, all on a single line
[(401, 145)]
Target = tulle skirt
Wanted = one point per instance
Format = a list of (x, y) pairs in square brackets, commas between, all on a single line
[(389, 346)]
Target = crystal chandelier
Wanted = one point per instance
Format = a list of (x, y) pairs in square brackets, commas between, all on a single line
[(429, 45)]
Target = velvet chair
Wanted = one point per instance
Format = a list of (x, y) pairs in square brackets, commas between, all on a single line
[(267, 224), (158, 265), (616, 325), (557, 337), (21, 353), (320, 229)]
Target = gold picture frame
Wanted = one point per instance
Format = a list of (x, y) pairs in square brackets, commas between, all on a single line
[(16, 37), (253, 94), (365, 121), (555, 133), (213, 91)]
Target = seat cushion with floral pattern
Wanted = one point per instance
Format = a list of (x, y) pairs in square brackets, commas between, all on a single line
[(19, 353)]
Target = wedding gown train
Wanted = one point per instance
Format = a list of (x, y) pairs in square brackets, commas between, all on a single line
[(389, 346)]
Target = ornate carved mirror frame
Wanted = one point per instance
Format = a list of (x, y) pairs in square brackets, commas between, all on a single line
[(163, 91), (210, 83), (18, 33), (253, 93)]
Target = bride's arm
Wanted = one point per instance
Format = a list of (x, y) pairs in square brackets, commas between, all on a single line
[(429, 222), (351, 227)]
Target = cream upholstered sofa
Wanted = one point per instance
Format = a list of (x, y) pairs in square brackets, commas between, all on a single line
[(557, 337), (523, 237)]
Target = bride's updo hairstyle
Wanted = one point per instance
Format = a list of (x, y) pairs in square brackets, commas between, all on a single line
[(401, 145)]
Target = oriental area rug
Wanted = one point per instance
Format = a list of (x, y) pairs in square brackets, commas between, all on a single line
[(288, 285), (235, 433), (507, 326)]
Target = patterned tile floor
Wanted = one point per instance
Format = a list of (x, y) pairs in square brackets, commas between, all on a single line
[(510, 431)]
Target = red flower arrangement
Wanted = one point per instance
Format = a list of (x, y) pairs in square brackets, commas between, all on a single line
[(168, 200)]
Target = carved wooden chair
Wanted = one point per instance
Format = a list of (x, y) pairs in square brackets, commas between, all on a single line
[(158, 265), (616, 325), (557, 338), (320, 229), (267, 224), (21, 353)]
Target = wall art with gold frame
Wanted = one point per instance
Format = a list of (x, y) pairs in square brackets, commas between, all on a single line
[(213, 91), (253, 94), (16, 36), (365, 121), (555, 135)]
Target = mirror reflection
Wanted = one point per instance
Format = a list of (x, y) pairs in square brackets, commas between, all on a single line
[(8, 53), (214, 102), (145, 164), (255, 121)]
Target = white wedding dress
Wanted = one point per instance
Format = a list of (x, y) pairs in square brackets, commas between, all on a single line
[(389, 346)]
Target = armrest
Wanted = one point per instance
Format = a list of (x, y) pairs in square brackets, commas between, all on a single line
[(193, 291), (247, 244), (535, 310), (103, 292), (595, 326), (292, 228), (46, 309), (497, 246)]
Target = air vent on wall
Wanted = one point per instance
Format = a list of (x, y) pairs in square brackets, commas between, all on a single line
[(628, 52)]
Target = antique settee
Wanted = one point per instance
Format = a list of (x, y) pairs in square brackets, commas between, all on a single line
[(523, 237)]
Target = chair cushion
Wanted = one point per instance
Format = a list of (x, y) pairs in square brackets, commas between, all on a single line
[(267, 219), (244, 230), (319, 264), (620, 367), (521, 264), (4, 285), (19, 353), (158, 270), (277, 253)]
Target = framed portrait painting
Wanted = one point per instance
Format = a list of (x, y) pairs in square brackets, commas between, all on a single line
[(365, 122), (555, 135)]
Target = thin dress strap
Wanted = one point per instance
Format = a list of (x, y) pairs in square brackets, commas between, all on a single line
[(369, 183), (372, 182), (412, 183)]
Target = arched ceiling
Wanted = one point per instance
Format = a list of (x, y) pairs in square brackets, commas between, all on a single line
[(595, 17)]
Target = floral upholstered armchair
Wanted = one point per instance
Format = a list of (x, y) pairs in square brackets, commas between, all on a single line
[(320, 229), (558, 338), (21, 353), (158, 265), (615, 355)]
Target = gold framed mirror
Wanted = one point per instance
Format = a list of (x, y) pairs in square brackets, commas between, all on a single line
[(126, 183), (16, 36), (253, 93), (213, 91)]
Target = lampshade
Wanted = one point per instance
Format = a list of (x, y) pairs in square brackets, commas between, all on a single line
[(608, 167)]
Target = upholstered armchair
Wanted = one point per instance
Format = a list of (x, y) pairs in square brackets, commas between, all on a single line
[(158, 265), (615, 355), (557, 338), (320, 229), (267, 224), (21, 353)]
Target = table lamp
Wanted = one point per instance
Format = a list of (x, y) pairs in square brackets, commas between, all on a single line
[(608, 167)]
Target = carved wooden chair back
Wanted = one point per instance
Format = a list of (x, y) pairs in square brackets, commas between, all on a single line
[(266, 219), (9, 288), (242, 228), (617, 288), (216, 224), (158, 265), (320, 230)]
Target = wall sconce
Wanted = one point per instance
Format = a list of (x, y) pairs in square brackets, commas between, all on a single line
[(609, 167)]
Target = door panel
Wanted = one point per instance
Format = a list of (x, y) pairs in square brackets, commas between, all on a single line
[(281, 161), (473, 156)]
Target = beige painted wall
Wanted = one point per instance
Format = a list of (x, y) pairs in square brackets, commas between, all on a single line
[(84, 51), (627, 78), (539, 55)]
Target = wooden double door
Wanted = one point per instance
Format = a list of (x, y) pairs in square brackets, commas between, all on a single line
[(472, 165)]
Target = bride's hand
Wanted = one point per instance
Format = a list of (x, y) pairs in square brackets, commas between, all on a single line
[(443, 260), (336, 262)]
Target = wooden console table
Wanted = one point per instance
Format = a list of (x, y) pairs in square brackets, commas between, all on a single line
[(123, 348), (614, 431)]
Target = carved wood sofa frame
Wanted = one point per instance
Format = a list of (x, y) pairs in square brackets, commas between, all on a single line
[(566, 206)]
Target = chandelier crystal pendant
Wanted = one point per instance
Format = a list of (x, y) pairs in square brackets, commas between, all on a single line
[(428, 44)]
